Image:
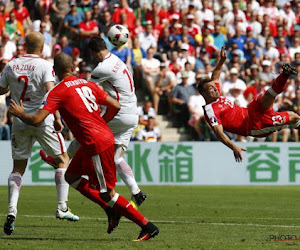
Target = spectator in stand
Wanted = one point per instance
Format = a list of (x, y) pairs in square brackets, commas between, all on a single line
[(235, 57), (236, 96), (147, 39), (105, 22), (46, 34), (281, 46), (65, 47), (236, 13), (9, 47), (166, 42), (266, 73), (263, 37), (155, 11), (14, 28), (60, 8), (211, 50), (193, 28), (282, 33), (124, 8), (4, 127), (191, 74), (72, 20), (174, 64), (249, 48), (87, 29), (233, 79), (180, 97), (76, 55), (145, 112), (123, 53), (219, 39), (22, 14), (137, 54), (270, 51), (268, 9), (173, 10), (150, 133), (151, 70), (185, 32), (195, 105), (288, 14), (205, 13), (185, 56), (163, 87), (238, 38), (251, 74), (254, 24), (20, 51), (175, 26), (295, 48)]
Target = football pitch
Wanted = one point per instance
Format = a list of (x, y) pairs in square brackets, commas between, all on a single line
[(189, 217)]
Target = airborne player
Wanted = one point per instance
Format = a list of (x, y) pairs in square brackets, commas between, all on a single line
[(258, 119)]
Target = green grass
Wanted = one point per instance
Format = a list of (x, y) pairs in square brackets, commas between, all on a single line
[(200, 217)]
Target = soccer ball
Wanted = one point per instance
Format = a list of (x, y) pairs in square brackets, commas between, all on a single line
[(118, 35)]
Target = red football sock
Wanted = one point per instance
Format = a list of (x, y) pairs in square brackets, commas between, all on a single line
[(92, 194), (279, 83), (123, 207)]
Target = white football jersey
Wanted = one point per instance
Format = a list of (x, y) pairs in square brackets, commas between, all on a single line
[(113, 75), (26, 78)]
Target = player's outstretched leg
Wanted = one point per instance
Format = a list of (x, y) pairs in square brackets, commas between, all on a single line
[(126, 174), (14, 186), (123, 207), (279, 83)]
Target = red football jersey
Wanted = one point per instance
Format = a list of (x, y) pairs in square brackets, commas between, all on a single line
[(78, 103), (223, 112)]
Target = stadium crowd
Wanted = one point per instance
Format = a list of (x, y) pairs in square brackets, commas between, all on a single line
[(172, 45)]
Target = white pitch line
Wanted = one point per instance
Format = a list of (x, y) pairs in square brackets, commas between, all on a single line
[(173, 222)]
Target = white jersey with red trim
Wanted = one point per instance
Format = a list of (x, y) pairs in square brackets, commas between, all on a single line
[(113, 75), (26, 78)]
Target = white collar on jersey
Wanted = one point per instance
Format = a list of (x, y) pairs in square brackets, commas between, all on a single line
[(31, 55)]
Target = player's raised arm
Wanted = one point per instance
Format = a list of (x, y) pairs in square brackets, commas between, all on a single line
[(237, 151), (218, 69), (113, 108), (33, 120)]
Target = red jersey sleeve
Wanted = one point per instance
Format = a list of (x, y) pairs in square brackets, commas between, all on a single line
[(52, 101)]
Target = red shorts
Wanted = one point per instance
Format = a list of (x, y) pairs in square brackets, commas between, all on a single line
[(100, 169), (263, 122)]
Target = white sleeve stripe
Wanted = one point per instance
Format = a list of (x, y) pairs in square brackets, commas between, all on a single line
[(211, 114)]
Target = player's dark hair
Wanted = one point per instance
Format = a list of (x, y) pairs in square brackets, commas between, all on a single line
[(97, 44), (201, 84)]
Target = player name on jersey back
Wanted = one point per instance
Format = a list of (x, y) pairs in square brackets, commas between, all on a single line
[(23, 67)]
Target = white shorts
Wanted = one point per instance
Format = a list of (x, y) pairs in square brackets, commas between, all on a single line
[(122, 127), (22, 141)]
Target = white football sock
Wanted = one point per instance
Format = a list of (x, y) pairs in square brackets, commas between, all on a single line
[(62, 189), (14, 186), (125, 172)]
